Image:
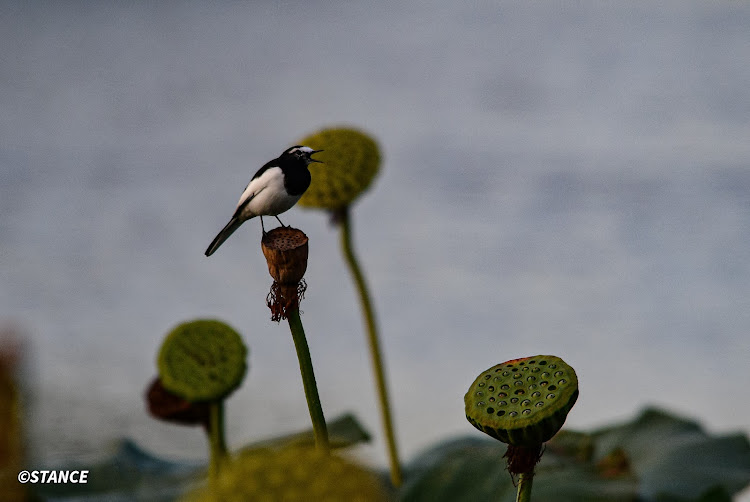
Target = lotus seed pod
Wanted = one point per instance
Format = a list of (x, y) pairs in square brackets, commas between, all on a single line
[(351, 159), (523, 402), (292, 474), (286, 252), (202, 360), (170, 407)]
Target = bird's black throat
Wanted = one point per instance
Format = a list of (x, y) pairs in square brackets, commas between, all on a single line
[(296, 178)]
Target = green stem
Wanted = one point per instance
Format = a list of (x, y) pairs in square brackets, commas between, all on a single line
[(216, 438), (372, 337), (525, 480), (320, 431)]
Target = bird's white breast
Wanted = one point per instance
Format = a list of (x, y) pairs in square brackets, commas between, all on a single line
[(268, 195)]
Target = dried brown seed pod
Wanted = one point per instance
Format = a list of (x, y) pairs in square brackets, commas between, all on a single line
[(286, 250)]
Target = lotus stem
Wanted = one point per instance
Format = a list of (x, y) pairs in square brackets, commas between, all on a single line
[(525, 480), (216, 438), (320, 430), (374, 343)]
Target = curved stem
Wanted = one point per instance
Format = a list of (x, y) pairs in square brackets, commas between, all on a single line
[(374, 342), (320, 430), (525, 480), (216, 438)]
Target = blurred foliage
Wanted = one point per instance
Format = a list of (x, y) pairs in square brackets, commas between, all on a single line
[(343, 431), (655, 458), (130, 474), (11, 436), (292, 474)]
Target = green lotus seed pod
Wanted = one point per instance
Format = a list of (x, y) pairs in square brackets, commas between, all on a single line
[(202, 360), (351, 161), (292, 474), (523, 402)]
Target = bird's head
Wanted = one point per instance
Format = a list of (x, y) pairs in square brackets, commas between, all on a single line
[(300, 153)]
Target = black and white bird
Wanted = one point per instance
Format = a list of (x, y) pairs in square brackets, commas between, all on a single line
[(275, 188)]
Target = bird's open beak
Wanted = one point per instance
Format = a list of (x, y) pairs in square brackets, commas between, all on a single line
[(315, 160)]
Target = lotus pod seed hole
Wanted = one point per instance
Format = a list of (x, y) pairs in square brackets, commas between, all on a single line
[(505, 386), (552, 387), (514, 400), (558, 373), (513, 413), (502, 403), (490, 410), (502, 394), (519, 391), (539, 404), (492, 399), (481, 384), (550, 396), (491, 388), (543, 383), (543, 363), (526, 411), (501, 413), (562, 382)]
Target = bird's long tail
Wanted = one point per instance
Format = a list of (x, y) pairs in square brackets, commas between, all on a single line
[(228, 230)]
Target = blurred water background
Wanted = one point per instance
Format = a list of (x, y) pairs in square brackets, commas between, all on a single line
[(571, 180)]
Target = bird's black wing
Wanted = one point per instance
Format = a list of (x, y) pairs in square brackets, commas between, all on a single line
[(268, 165)]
